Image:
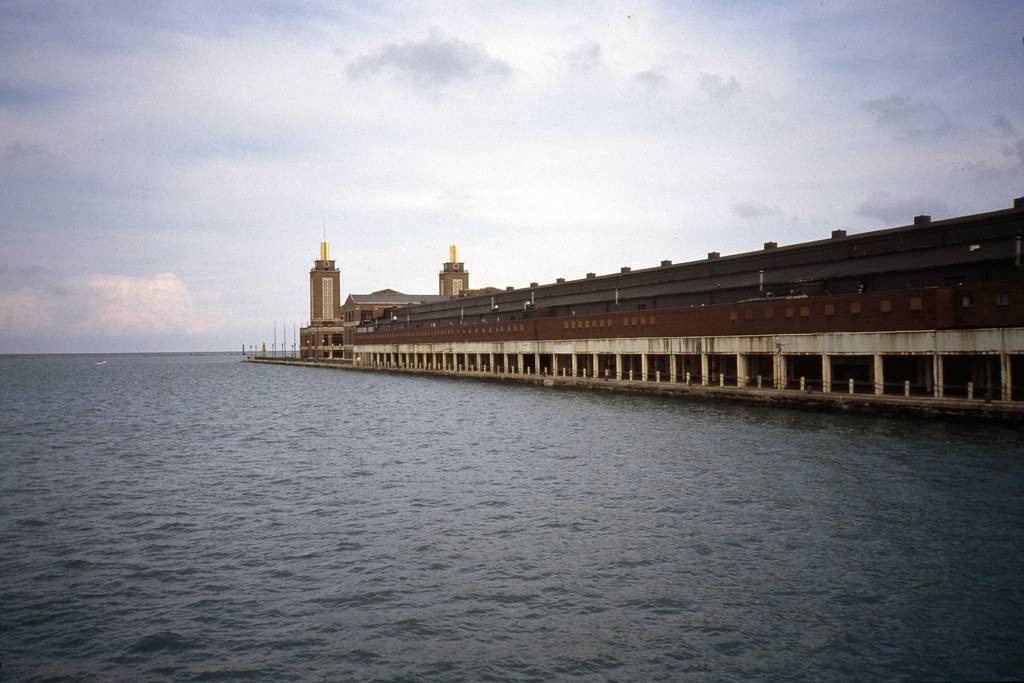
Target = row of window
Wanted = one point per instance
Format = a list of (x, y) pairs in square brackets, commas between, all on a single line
[(630, 321), (462, 330), (856, 307), (1002, 299)]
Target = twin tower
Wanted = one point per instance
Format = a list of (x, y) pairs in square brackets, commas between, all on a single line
[(325, 284)]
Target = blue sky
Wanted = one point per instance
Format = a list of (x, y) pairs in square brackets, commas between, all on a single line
[(166, 168)]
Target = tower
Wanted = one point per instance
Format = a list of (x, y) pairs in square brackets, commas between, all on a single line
[(453, 277), (324, 289)]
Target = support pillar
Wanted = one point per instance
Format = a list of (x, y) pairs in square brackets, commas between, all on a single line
[(574, 363), (741, 370), (643, 367), (672, 368), (477, 365), (826, 373), (879, 375), (1005, 365), (595, 372), (705, 369), (536, 363), (618, 366), (780, 371), (519, 363)]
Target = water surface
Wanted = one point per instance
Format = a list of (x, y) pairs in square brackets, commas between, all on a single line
[(197, 518)]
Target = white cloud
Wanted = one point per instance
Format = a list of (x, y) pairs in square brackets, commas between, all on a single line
[(26, 311), (114, 305), (717, 87)]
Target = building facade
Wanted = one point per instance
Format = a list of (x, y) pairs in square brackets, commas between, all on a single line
[(928, 309), (453, 278), (322, 338)]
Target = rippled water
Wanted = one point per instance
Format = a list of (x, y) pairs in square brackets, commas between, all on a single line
[(197, 518)]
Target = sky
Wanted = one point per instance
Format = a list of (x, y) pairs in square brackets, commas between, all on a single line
[(167, 169)]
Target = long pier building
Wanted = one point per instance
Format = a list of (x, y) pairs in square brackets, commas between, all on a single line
[(930, 309)]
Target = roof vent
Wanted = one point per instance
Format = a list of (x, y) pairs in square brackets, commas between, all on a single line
[(923, 219), (591, 276), (836, 234), (534, 284), (625, 269), (560, 281), (771, 245), (666, 262), (713, 255), (1018, 203), (509, 288)]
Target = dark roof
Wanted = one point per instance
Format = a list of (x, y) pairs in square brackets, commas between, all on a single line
[(395, 298)]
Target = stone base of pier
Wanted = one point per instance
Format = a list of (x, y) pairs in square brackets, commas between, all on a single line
[(833, 401)]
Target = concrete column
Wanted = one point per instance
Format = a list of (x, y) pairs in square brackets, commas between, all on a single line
[(826, 373), (504, 362), (672, 367), (1004, 361), (477, 365), (594, 371), (536, 363), (781, 371), (705, 369), (618, 366), (879, 375), (575, 363), (741, 370), (643, 367), (519, 363)]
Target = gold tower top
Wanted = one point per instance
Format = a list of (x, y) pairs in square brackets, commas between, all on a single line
[(324, 251), (452, 254)]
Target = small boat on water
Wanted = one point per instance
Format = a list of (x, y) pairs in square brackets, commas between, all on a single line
[(101, 362)]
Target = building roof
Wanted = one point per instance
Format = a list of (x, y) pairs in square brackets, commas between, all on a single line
[(390, 296)]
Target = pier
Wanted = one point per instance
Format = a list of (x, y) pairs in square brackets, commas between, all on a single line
[(801, 395)]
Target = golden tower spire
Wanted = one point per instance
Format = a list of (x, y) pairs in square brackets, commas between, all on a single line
[(452, 254)]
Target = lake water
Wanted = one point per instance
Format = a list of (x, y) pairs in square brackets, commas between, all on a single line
[(199, 518)]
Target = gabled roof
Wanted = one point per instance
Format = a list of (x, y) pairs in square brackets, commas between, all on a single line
[(390, 296)]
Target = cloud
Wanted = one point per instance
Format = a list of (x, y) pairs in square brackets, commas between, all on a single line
[(17, 150), (119, 305), (895, 210), (910, 118), (1015, 153), (717, 87), (25, 310), (1003, 125), (585, 58), (752, 210), (19, 96), (435, 61), (651, 77)]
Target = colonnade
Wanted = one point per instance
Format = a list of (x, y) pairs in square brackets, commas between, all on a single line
[(968, 364)]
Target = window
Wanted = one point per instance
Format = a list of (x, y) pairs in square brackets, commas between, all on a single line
[(830, 309), (1002, 299), (855, 308), (885, 306), (805, 311), (967, 300), (916, 303)]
